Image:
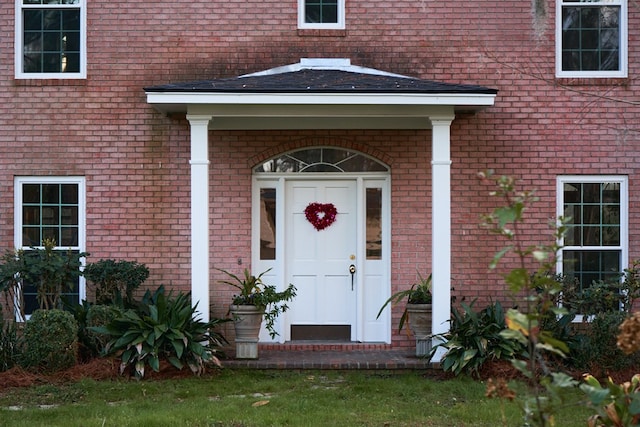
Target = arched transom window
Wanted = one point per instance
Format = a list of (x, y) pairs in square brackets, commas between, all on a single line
[(321, 159)]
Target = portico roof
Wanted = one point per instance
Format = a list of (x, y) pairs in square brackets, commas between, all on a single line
[(319, 93)]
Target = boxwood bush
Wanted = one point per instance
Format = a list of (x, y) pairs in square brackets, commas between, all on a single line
[(50, 341)]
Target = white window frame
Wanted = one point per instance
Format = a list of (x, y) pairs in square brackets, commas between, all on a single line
[(82, 207), (19, 41), (624, 46), (340, 25), (624, 216)]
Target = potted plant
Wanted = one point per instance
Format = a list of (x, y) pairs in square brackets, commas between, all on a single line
[(254, 302), (417, 312)]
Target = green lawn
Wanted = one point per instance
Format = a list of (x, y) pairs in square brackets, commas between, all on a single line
[(241, 398)]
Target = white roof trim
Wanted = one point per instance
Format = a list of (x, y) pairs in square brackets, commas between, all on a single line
[(318, 111), (337, 64), (222, 98)]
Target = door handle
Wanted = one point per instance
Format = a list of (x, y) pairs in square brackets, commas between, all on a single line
[(352, 270)]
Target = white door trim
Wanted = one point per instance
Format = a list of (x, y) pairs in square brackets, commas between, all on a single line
[(367, 329)]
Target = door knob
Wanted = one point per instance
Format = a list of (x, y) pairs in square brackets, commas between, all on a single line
[(352, 270)]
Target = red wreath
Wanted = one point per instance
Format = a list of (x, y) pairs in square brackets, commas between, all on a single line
[(321, 215)]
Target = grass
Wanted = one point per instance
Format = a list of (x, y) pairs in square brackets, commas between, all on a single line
[(243, 398)]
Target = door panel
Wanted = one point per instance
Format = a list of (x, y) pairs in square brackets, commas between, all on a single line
[(318, 261)]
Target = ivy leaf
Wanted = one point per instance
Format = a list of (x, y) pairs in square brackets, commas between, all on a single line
[(498, 256), (596, 395), (560, 379), (521, 366), (512, 334), (520, 322), (540, 256), (518, 279), (505, 215), (558, 346)]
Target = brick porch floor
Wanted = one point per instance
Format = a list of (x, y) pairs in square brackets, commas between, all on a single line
[(332, 356)]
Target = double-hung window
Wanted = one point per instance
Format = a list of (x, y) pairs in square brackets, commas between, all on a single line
[(50, 208), (50, 39), (321, 14), (595, 245), (591, 38)]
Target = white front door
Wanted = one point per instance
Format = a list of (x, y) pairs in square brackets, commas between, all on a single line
[(318, 261)]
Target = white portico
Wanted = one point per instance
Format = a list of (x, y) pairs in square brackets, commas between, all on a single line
[(322, 94)]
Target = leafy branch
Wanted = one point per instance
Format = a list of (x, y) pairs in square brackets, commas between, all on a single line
[(540, 289)]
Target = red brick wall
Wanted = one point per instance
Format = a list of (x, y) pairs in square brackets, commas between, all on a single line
[(136, 161)]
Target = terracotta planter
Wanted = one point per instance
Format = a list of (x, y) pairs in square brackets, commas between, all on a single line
[(419, 316), (247, 320)]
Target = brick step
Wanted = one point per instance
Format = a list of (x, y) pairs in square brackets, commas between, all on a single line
[(324, 346)]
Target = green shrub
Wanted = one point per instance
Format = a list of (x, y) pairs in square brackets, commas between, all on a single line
[(601, 352), (614, 404), (162, 327), (79, 312), (116, 281), (599, 297), (561, 327), (50, 341), (99, 316), (474, 338), (8, 343), (51, 271), (90, 343)]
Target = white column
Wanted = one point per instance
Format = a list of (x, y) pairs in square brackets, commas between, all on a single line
[(441, 225), (200, 213)]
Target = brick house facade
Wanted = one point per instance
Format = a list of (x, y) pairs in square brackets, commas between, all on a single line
[(88, 123)]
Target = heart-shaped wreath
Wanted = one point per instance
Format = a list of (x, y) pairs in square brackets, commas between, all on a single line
[(321, 215)]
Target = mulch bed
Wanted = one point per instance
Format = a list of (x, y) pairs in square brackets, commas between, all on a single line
[(97, 369)]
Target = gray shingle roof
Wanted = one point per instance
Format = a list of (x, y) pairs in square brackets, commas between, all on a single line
[(321, 81)]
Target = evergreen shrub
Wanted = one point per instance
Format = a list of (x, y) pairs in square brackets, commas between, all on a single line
[(50, 341), (604, 355), (99, 316), (116, 281)]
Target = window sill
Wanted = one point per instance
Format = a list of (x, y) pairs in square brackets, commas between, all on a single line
[(317, 32)]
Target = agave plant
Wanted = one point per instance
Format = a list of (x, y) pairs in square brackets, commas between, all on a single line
[(475, 338), (163, 327)]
